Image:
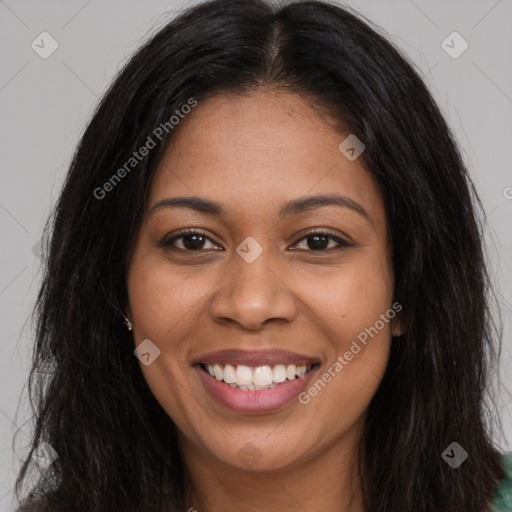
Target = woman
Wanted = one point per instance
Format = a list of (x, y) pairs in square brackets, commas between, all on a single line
[(265, 286)]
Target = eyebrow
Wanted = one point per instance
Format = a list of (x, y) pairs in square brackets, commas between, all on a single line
[(293, 207)]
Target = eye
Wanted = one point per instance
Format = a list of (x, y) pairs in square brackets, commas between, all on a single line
[(318, 241), (193, 240), (189, 240)]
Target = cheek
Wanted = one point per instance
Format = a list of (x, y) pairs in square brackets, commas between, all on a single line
[(354, 308), (360, 345), (162, 298), (350, 300), (162, 305)]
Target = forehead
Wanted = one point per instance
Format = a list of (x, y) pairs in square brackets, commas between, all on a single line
[(259, 150)]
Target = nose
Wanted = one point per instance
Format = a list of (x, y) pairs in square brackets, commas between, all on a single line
[(252, 294)]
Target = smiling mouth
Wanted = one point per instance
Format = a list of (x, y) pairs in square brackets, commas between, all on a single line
[(255, 378)]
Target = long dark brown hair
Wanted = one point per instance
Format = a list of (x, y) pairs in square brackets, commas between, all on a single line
[(117, 448)]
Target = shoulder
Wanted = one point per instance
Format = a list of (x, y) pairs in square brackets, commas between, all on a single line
[(503, 495)]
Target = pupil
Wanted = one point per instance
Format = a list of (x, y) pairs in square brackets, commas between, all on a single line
[(316, 244), (320, 242), (192, 246)]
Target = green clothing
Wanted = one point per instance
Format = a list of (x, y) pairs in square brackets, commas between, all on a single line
[(503, 495)]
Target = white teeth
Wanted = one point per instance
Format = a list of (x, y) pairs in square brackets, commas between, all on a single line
[(218, 371), (257, 388), (229, 374), (252, 387), (262, 376), (300, 371), (251, 378), (290, 372), (243, 375), (279, 373)]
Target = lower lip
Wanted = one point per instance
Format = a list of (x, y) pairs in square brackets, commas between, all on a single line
[(258, 401)]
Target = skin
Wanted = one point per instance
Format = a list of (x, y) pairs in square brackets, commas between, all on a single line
[(253, 153)]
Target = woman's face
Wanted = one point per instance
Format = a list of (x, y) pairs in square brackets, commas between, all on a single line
[(255, 292)]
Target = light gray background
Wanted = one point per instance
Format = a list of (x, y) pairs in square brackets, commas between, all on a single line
[(45, 104)]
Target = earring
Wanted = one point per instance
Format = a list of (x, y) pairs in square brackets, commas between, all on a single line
[(128, 324)]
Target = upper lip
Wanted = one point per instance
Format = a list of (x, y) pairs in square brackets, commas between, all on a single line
[(255, 357)]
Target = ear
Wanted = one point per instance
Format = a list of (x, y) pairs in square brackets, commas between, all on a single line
[(128, 317), (397, 325), (127, 311)]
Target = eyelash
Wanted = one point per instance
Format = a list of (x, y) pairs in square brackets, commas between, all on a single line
[(168, 242)]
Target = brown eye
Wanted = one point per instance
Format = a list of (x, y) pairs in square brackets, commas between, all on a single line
[(319, 241), (189, 241), (197, 241), (193, 242)]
